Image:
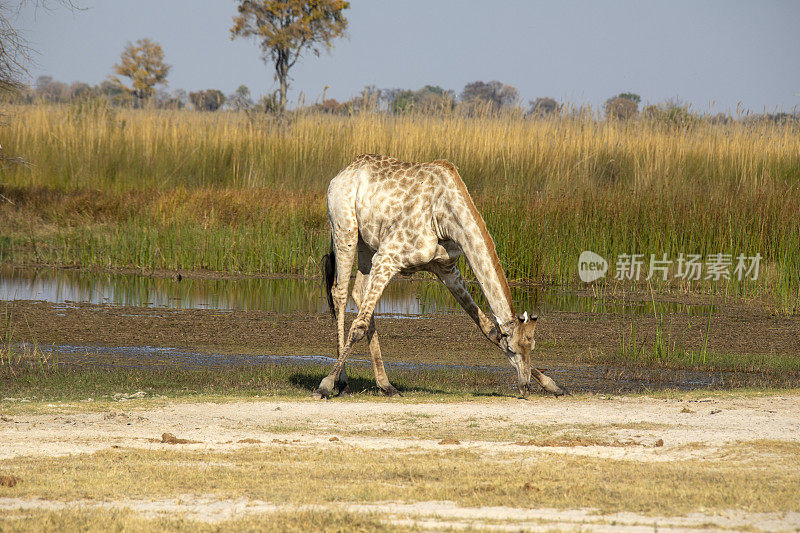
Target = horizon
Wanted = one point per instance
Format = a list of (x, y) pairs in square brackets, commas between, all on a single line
[(715, 56)]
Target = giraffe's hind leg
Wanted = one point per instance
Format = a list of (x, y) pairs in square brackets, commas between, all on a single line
[(344, 246), (383, 269), (364, 266)]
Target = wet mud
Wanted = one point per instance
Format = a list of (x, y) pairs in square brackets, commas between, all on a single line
[(571, 346)]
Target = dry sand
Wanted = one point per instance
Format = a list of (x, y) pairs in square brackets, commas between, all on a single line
[(711, 422), (639, 422)]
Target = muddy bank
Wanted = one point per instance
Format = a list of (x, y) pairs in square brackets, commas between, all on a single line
[(561, 337)]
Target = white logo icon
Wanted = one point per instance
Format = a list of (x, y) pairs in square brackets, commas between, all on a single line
[(591, 266)]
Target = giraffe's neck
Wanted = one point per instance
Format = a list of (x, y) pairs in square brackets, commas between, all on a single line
[(468, 229)]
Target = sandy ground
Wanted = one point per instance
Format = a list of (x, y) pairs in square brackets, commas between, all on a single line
[(642, 421), (436, 515), (689, 428)]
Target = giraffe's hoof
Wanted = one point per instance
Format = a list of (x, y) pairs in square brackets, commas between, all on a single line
[(321, 394), (390, 391)]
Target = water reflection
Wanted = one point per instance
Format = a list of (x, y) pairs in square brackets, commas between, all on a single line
[(403, 298)]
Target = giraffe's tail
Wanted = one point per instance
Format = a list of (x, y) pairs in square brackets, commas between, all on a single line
[(329, 273)]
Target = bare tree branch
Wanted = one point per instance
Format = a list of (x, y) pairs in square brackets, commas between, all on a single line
[(15, 50)]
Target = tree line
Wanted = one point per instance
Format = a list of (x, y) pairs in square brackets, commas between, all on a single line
[(285, 30), (478, 97)]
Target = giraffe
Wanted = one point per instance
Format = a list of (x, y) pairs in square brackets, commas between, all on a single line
[(396, 217)]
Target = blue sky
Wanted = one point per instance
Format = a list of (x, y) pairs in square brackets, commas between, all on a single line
[(716, 55)]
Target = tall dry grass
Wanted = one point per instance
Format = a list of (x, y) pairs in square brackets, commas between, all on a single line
[(232, 191), (94, 145)]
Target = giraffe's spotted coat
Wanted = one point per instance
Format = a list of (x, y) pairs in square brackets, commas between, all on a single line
[(402, 217)]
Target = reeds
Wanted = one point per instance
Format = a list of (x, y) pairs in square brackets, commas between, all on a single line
[(235, 192), (18, 358)]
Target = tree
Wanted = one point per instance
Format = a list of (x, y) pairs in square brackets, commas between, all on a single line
[(80, 90), (174, 100), (429, 99), (332, 107), (115, 93), (633, 97), (365, 102), (434, 98), (143, 63), (49, 89), (543, 107), (671, 113), (622, 106), (493, 94), (285, 29), (240, 100), (209, 100)]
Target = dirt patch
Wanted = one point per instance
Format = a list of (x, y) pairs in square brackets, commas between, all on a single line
[(169, 438), (448, 441), (9, 481)]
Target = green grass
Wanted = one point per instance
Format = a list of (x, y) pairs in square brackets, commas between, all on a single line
[(58, 382)]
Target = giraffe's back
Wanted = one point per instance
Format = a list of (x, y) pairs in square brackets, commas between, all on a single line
[(385, 197)]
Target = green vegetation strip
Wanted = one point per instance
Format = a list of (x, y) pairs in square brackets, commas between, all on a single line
[(52, 382), (183, 190), (285, 381)]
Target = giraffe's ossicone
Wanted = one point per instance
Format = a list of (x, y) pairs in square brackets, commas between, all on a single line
[(399, 217)]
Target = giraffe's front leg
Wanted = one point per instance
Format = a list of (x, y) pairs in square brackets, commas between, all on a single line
[(450, 275)]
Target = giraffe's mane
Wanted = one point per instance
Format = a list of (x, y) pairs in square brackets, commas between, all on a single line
[(487, 239)]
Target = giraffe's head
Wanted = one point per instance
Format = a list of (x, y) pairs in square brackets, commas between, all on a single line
[(517, 342)]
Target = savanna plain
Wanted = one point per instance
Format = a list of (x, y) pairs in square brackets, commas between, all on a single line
[(685, 412)]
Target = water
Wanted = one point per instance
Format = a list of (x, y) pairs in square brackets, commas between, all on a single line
[(576, 378), (403, 298)]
